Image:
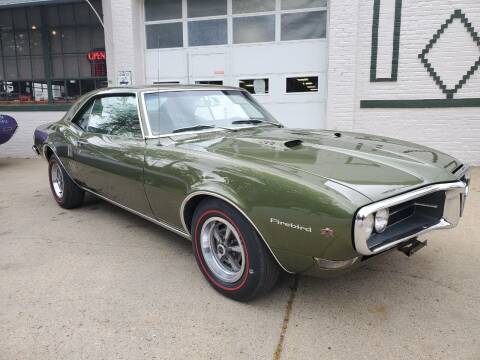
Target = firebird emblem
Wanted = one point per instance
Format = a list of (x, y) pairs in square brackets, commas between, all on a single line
[(327, 232)]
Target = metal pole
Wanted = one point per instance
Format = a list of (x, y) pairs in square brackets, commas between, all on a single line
[(96, 13)]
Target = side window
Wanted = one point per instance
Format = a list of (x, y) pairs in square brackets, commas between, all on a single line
[(112, 115), (82, 118)]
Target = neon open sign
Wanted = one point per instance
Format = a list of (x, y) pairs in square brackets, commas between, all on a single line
[(97, 55)]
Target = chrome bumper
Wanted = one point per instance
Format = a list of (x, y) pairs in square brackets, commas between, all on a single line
[(455, 192)]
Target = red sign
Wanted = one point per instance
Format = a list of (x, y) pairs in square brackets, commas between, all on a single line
[(97, 55)]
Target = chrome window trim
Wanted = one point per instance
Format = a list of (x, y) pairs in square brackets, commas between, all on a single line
[(361, 244), (215, 195), (111, 93)]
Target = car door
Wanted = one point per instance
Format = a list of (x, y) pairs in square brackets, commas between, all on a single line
[(110, 153)]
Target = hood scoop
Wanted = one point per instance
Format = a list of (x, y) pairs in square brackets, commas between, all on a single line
[(292, 144)]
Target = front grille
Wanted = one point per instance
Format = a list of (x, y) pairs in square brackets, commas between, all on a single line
[(409, 218)]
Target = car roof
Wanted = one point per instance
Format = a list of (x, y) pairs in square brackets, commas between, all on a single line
[(162, 87)]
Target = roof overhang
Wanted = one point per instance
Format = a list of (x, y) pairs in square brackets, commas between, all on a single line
[(17, 3)]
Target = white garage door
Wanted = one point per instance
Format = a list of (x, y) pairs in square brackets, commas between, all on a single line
[(276, 49)]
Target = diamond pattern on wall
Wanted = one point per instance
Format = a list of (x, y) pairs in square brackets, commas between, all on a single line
[(450, 92)]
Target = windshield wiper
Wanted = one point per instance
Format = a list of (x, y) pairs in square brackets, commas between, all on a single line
[(194, 128), (255, 121)]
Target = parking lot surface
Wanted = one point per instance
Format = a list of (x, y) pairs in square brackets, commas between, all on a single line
[(100, 283)]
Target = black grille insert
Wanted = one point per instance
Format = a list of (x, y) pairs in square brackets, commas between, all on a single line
[(410, 218)]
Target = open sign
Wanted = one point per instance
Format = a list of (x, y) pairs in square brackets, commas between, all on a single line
[(96, 55)]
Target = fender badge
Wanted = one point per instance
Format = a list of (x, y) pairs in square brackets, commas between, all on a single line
[(327, 232)]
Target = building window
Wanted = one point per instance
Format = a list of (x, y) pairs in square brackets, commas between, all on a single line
[(307, 25), (44, 53), (163, 9), (209, 22), (204, 8), (303, 4), (255, 86), (209, 82), (302, 84), (161, 36), (253, 29), (207, 32)]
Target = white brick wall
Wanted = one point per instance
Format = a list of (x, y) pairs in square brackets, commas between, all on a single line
[(453, 130), (20, 145)]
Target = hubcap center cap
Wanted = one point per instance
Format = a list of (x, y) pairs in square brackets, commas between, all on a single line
[(221, 250)]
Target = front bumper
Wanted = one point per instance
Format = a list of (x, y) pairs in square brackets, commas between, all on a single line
[(455, 196)]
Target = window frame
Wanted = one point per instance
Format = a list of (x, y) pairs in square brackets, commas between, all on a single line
[(230, 16), (90, 101)]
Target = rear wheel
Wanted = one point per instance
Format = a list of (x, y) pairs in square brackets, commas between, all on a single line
[(230, 253), (65, 192)]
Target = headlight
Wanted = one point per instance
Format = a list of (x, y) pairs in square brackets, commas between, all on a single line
[(381, 220), (367, 226)]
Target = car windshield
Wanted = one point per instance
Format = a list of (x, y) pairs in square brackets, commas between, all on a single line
[(180, 111)]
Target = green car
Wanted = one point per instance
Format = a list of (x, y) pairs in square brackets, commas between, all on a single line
[(212, 165)]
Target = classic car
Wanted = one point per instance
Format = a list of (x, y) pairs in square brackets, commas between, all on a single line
[(8, 126), (255, 198)]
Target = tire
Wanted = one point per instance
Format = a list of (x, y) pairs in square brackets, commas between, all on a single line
[(240, 267), (65, 192)]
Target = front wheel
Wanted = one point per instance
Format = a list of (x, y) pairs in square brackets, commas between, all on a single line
[(65, 192), (230, 253)]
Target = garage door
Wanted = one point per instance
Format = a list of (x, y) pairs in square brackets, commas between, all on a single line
[(276, 49)]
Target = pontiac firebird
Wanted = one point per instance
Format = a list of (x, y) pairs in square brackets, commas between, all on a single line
[(255, 198)]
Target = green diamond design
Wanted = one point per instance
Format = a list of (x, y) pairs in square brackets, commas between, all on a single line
[(458, 14)]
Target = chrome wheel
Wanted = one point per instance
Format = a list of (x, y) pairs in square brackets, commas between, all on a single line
[(57, 180), (222, 249)]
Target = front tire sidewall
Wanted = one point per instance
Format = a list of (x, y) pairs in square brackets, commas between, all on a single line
[(250, 284)]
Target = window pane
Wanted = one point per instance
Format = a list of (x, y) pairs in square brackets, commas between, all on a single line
[(55, 42), (36, 42), (302, 4), (82, 13), (249, 6), (8, 42), (84, 66), (210, 32), (87, 86), (38, 67), (71, 66), (115, 116), (5, 18), (52, 16), (66, 15), (57, 66), (40, 92), (164, 35), (98, 38), (23, 46), (34, 18), (10, 68), (254, 29), (68, 40), (58, 90), (24, 68), (302, 84), (19, 18), (73, 90), (255, 86), (310, 25), (163, 9), (83, 39), (209, 82), (199, 8)]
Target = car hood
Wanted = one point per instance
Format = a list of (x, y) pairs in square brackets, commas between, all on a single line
[(377, 167)]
